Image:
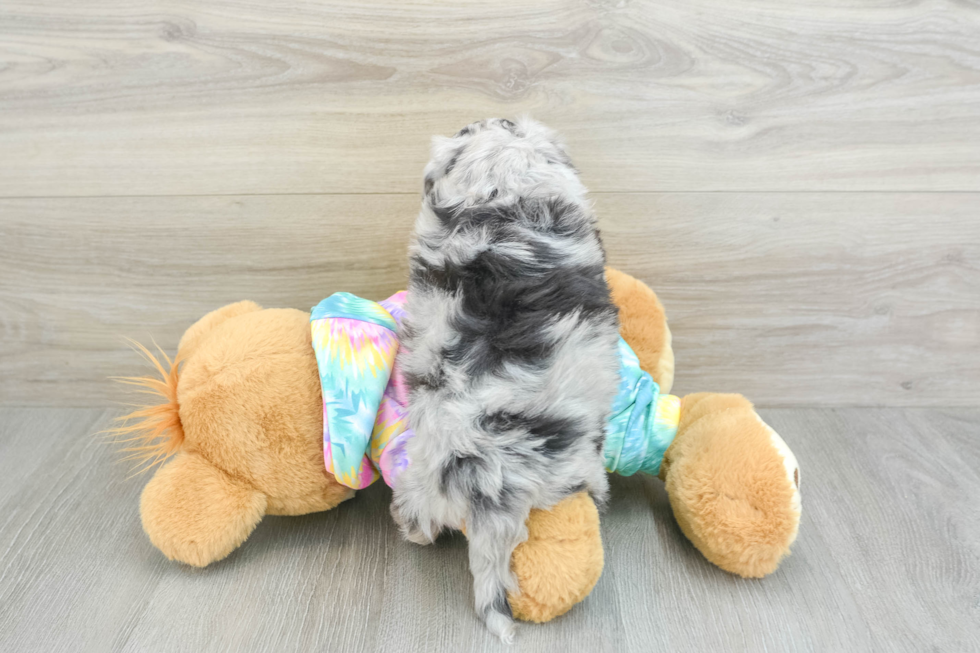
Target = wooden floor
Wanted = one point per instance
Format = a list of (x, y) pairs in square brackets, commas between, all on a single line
[(888, 558)]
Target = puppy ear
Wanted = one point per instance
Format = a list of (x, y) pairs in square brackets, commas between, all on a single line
[(195, 513)]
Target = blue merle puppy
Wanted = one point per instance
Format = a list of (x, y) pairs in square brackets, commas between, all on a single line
[(508, 347)]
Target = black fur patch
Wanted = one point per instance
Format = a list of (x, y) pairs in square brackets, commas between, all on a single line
[(505, 314), (508, 301), (458, 469), (552, 435), (433, 381), (600, 443), (483, 503)]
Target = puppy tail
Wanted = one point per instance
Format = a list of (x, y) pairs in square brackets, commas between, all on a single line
[(492, 542)]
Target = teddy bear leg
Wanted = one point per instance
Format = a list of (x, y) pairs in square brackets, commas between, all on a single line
[(733, 484), (561, 560), (195, 513)]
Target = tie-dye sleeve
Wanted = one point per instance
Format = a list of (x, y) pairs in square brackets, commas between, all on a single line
[(355, 341), (643, 422), (391, 432)]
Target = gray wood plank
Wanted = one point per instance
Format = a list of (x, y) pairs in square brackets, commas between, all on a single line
[(789, 298), (231, 96), (888, 558), (811, 298), (64, 584)]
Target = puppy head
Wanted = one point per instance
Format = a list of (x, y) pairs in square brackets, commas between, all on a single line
[(497, 160)]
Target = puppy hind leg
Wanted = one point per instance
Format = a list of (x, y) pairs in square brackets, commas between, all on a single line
[(418, 510), (414, 524)]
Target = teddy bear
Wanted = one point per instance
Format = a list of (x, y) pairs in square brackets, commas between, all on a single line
[(249, 425)]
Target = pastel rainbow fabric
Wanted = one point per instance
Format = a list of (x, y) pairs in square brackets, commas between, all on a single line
[(355, 341), (643, 423), (365, 422)]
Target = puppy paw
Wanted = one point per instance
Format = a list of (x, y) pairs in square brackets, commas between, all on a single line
[(411, 529), (417, 535)]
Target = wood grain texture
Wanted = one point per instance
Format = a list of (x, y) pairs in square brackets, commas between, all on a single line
[(232, 96), (78, 276), (888, 558), (791, 299), (811, 298)]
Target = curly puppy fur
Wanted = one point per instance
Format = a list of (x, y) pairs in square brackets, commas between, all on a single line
[(509, 348)]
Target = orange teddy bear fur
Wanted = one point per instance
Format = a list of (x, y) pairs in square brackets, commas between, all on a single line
[(242, 418)]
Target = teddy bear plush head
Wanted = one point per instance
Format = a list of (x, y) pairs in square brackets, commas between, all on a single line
[(241, 422)]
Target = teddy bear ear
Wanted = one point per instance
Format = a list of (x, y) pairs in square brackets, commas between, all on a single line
[(195, 513)]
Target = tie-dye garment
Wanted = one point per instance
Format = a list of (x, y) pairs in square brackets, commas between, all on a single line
[(365, 424), (355, 341), (644, 422), (391, 431)]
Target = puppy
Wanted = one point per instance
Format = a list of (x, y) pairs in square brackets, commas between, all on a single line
[(508, 348)]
